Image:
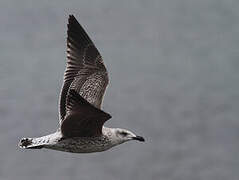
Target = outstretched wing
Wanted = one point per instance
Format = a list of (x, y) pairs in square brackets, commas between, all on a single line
[(83, 119), (85, 71)]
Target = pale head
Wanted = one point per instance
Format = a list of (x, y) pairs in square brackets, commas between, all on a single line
[(119, 135)]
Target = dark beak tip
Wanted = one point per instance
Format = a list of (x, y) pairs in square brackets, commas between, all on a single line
[(139, 138)]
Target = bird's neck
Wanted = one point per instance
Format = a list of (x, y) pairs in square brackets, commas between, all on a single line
[(111, 135)]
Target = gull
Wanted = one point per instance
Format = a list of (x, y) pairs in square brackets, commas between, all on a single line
[(81, 128)]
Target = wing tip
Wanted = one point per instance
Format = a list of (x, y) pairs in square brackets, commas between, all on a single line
[(77, 32), (71, 18)]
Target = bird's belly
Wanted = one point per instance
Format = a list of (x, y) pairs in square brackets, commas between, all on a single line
[(82, 145)]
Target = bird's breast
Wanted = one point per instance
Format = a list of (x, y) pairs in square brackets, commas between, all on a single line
[(83, 144)]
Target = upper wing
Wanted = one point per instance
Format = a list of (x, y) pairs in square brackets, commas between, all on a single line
[(85, 71)]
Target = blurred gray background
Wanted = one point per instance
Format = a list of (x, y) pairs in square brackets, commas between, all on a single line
[(174, 72)]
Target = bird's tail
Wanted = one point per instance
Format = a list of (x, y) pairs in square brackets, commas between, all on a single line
[(30, 143)]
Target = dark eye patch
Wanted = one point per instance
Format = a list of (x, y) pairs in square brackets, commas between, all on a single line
[(123, 133)]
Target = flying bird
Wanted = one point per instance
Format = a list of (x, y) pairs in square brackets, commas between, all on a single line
[(81, 127)]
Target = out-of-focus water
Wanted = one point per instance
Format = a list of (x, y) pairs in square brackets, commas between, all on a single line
[(174, 71)]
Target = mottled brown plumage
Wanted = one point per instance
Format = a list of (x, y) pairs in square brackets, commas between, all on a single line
[(81, 118), (85, 71), (85, 74)]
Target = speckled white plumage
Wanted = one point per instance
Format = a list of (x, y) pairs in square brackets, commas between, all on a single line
[(109, 138)]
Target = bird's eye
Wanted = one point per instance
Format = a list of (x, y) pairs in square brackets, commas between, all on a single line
[(123, 133)]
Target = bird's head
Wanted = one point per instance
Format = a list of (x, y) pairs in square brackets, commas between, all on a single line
[(123, 135)]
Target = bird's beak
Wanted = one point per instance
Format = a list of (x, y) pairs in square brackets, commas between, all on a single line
[(138, 138)]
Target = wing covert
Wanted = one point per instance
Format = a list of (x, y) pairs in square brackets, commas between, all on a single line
[(82, 119)]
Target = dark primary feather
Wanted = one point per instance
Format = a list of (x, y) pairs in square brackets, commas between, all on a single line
[(84, 120), (85, 71)]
